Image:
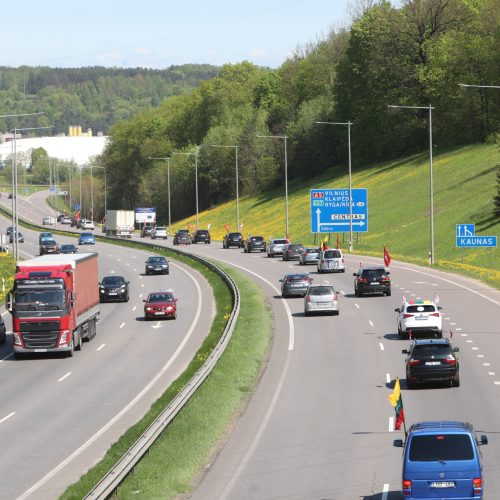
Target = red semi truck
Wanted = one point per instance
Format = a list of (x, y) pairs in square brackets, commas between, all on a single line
[(54, 303)]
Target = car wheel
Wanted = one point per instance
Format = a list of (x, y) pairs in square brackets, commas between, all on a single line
[(3, 339), (168, 271), (343, 270), (456, 381), (307, 313), (388, 293), (127, 298), (336, 313)]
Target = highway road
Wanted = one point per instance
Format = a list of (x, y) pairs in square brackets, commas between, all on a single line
[(319, 425), (58, 415)]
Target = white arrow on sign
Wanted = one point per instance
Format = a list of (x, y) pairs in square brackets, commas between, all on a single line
[(345, 223)]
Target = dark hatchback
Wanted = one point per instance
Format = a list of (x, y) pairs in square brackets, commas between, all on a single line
[(372, 280), (157, 265), (182, 237), (113, 288), (232, 240), (431, 360), (69, 248), (254, 244), (295, 285), (201, 236), (48, 246), (293, 251)]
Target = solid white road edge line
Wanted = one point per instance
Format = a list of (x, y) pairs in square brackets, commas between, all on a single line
[(259, 433), (124, 410), (7, 417), (64, 376)]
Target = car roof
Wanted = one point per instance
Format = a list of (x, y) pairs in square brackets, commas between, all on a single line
[(297, 274), (441, 426), (431, 341)]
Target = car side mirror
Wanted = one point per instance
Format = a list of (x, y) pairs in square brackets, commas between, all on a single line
[(100, 283), (404, 351), (8, 302), (440, 308), (387, 272), (127, 282), (354, 274), (483, 440), (456, 349), (396, 310), (398, 443), (281, 281), (144, 300)]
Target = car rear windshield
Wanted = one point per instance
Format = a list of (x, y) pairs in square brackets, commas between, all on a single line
[(279, 242), (421, 308), (321, 290), (332, 254), (312, 250), (295, 247), (297, 277), (372, 273), (202, 231), (161, 297), (257, 238), (113, 280), (425, 351), (234, 236), (436, 447)]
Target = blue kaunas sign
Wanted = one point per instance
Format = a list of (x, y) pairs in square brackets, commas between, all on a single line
[(330, 211), (466, 237)]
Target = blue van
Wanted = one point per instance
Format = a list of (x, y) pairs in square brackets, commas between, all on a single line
[(442, 460)]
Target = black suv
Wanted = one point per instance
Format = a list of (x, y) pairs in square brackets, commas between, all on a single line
[(182, 237), (201, 236), (113, 288), (232, 240), (431, 360), (254, 244), (48, 246), (374, 279)]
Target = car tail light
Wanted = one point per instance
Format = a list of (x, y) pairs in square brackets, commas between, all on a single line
[(334, 296), (406, 487), (322, 261), (406, 315), (435, 314), (362, 280), (385, 278), (289, 251), (477, 484), (415, 362), (308, 299), (450, 360)]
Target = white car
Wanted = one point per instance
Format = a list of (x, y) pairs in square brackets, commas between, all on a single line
[(419, 318), (321, 298), (48, 221), (159, 232), (88, 224), (331, 260)]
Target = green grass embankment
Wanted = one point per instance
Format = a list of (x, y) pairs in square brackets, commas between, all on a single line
[(177, 457), (398, 209)]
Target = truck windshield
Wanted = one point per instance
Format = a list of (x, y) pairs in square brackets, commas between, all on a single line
[(39, 300)]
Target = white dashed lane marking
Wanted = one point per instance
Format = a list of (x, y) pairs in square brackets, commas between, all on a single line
[(391, 424), (388, 378), (134, 308), (64, 376), (385, 491), (100, 347), (371, 323), (381, 346), (357, 305), (7, 417), (122, 325)]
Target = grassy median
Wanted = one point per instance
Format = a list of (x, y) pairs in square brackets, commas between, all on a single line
[(179, 455)]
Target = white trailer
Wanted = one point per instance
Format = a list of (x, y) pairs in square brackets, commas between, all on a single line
[(120, 223)]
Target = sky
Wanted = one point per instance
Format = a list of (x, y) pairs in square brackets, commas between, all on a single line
[(160, 33)]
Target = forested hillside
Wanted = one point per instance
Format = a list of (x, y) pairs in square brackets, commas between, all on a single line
[(416, 54), (94, 97)]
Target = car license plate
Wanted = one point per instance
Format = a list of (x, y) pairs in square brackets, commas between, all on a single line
[(323, 303), (375, 283), (443, 484), (420, 318), (112, 293), (432, 363), (159, 313)]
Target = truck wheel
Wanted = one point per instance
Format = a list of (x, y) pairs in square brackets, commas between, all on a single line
[(18, 355), (69, 354), (79, 345)]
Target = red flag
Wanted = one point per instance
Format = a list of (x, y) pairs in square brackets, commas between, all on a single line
[(226, 227), (387, 257)]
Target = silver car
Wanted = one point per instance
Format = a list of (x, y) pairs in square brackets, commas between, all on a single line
[(331, 260), (321, 298), (309, 256), (276, 246)]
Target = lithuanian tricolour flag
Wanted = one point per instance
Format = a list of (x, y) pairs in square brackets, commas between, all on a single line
[(397, 401)]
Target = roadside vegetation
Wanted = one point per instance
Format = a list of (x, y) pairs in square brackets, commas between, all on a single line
[(398, 210), (178, 455)]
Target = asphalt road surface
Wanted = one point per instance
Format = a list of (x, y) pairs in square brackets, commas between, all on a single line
[(58, 415)]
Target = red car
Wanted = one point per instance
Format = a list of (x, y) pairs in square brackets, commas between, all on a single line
[(160, 305)]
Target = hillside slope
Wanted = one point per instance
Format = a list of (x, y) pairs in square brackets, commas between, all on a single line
[(398, 208)]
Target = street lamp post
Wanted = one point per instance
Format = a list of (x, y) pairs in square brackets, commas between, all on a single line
[(15, 216), (286, 176), (195, 153), (167, 158), (431, 186), (237, 181), (92, 190), (348, 123)]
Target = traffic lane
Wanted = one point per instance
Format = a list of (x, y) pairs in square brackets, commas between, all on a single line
[(111, 381), (383, 318)]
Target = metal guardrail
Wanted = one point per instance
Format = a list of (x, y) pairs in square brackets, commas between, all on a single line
[(122, 468)]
